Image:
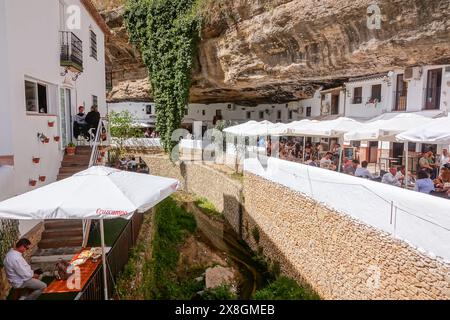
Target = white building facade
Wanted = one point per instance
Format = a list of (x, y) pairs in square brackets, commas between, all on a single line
[(52, 60)]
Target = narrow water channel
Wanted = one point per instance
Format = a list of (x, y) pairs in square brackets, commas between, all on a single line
[(221, 237)]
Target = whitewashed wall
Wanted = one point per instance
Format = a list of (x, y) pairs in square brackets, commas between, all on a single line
[(30, 49)]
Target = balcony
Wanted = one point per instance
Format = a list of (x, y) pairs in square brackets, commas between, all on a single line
[(71, 51)]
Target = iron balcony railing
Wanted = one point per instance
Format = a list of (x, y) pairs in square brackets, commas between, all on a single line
[(71, 50)]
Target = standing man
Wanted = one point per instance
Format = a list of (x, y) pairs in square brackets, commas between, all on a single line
[(19, 272), (444, 158)]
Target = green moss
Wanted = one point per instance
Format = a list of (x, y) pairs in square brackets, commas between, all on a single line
[(285, 289), (208, 207), (220, 293)]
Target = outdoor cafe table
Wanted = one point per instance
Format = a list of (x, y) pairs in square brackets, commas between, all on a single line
[(86, 271)]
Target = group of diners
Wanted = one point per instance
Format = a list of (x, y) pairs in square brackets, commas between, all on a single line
[(131, 163), (432, 175)]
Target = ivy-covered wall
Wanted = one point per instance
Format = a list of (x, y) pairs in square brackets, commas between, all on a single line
[(9, 234), (167, 33)]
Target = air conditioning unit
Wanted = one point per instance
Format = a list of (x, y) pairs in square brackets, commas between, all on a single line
[(412, 73)]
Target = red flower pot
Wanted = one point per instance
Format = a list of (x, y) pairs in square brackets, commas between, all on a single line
[(32, 182), (46, 140), (57, 138), (70, 151), (51, 124), (36, 160), (42, 178)]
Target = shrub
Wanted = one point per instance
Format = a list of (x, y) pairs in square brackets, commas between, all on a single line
[(285, 289)]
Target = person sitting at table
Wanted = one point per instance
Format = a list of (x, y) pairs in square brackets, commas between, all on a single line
[(391, 178), (19, 272), (443, 181), (424, 184), (363, 172), (312, 161), (351, 169), (326, 163), (401, 173)]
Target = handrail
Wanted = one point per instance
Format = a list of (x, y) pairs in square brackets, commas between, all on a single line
[(94, 143)]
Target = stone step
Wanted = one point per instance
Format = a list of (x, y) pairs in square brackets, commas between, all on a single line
[(62, 224), (62, 232), (72, 170), (74, 241)]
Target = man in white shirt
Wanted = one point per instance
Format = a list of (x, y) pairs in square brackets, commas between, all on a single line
[(19, 272), (326, 162), (391, 178)]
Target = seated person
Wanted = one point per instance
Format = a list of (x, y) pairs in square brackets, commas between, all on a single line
[(19, 272), (391, 178), (351, 169), (363, 172), (401, 173), (426, 162), (80, 126), (326, 162), (132, 164), (443, 181), (312, 162), (424, 184)]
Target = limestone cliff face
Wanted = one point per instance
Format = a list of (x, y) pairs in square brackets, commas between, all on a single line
[(280, 50)]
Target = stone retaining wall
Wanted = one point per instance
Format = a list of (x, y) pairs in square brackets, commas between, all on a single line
[(202, 180), (340, 257)]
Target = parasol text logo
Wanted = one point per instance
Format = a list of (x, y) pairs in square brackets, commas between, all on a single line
[(117, 213)]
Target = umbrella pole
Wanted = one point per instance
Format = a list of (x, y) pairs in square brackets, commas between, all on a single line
[(340, 159), (405, 181), (102, 238), (304, 151)]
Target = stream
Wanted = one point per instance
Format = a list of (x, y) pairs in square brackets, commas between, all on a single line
[(221, 237)]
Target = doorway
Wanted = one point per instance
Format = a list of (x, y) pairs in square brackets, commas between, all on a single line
[(401, 94), (433, 94), (335, 104), (373, 152), (66, 116)]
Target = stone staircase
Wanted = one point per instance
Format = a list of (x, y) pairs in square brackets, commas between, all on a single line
[(61, 239)]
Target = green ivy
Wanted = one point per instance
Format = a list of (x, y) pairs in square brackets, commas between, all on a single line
[(9, 234), (167, 33)]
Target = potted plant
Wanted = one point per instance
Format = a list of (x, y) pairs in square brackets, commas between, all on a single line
[(51, 123), (70, 149), (46, 140), (42, 178), (32, 182), (36, 160), (57, 138)]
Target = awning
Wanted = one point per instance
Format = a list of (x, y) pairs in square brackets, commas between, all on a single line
[(386, 127), (331, 128), (436, 131)]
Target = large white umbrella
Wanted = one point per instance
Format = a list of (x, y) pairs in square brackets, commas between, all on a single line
[(330, 128), (436, 131), (240, 128), (97, 193), (386, 127)]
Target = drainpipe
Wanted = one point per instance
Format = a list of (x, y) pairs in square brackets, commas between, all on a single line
[(345, 101)]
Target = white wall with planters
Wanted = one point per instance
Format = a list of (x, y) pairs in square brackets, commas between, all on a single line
[(31, 83)]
